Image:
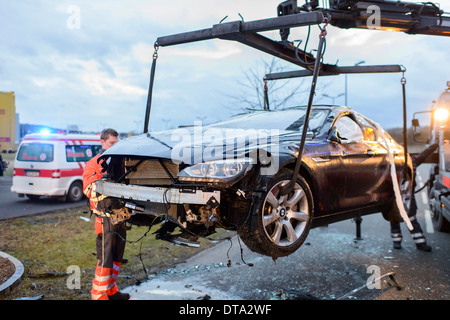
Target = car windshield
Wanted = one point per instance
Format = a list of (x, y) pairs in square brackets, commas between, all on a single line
[(289, 119)]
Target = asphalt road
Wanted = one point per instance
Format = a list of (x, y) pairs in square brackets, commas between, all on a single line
[(329, 265), (12, 206)]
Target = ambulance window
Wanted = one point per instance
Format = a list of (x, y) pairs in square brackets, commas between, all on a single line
[(81, 153), (35, 152)]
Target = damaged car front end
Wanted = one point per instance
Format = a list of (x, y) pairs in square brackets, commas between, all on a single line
[(229, 175)]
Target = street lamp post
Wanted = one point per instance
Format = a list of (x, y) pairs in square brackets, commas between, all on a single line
[(333, 97), (346, 94)]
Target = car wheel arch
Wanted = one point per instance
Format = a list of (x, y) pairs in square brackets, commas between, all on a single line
[(305, 172)]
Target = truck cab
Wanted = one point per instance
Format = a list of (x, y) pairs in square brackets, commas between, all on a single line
[(439, 177)]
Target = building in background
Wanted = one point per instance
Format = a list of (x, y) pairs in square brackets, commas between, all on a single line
[(7, 121)]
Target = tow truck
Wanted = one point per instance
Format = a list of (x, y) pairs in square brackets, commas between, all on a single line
[(438, 184)]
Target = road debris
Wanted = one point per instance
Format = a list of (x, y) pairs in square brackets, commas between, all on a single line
[(39, 297), (391, 277), (291, 294)]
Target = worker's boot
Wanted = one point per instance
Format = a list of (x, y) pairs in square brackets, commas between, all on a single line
[(397, 245), (423, 246), (119, 296)]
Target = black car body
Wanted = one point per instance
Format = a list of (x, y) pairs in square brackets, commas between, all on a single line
[(229, 175)]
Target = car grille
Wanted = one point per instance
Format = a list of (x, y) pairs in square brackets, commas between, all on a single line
[(151, 172)]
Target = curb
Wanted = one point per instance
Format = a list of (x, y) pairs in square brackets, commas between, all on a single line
[(17, 274)]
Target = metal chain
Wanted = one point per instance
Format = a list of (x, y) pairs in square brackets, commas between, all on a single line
[(155, 53), (323, 33)]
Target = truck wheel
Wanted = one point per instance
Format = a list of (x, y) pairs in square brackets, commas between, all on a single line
[(278, 225), (75, 192), (438, 219)]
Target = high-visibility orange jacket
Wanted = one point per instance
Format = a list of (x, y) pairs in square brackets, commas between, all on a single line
[(92, 172), (110, 244)]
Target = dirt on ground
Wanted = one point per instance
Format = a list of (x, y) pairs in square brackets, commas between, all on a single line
[(7, 269)]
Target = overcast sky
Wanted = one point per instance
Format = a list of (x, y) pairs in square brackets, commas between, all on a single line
[(88, 62)]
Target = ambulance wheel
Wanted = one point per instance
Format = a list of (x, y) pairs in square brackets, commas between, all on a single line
[(75, 193)]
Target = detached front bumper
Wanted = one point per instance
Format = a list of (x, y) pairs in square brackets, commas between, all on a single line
[(157, 194)]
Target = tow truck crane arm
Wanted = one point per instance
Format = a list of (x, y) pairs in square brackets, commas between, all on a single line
[(409, 17)]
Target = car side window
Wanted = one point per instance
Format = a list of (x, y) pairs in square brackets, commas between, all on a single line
[(348, 130), (370, 133)]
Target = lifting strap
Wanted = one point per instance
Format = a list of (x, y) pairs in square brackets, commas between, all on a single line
[(285, 189), (395, 183), (266, 96), (405, 130), (150, 89)]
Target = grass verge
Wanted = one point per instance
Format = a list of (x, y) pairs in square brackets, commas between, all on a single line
[(50, 244)]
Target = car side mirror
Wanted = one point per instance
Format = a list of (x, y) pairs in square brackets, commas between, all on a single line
[(333, 137), (415, 122)]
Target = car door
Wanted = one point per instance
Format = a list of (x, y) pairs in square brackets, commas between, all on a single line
[(329, 162), (380, 188), (358, 162)]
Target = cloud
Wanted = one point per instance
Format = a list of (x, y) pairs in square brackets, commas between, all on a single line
[(219, 50), (103, 67), (100, 84), (214, 50)]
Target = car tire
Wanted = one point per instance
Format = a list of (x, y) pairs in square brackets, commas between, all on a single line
[(75, 192), (406, 191), (278, 225)]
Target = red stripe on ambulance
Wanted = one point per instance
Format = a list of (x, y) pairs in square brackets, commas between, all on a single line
[(55, 174)]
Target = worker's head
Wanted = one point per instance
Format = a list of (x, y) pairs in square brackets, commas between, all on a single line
[(108, 138)]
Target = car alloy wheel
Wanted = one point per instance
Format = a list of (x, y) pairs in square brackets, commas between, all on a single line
[(278, 225), (285, 217)]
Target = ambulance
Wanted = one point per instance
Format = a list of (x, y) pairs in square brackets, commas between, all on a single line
[(52, 165)]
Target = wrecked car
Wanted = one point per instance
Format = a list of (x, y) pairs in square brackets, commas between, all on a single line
[(229, 175)]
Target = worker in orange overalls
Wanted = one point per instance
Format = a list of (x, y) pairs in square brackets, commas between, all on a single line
[(110, 241)]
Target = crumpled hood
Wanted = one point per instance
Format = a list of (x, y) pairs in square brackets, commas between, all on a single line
[(198, 144)]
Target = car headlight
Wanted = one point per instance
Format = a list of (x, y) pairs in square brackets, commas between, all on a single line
[(216, 171)]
